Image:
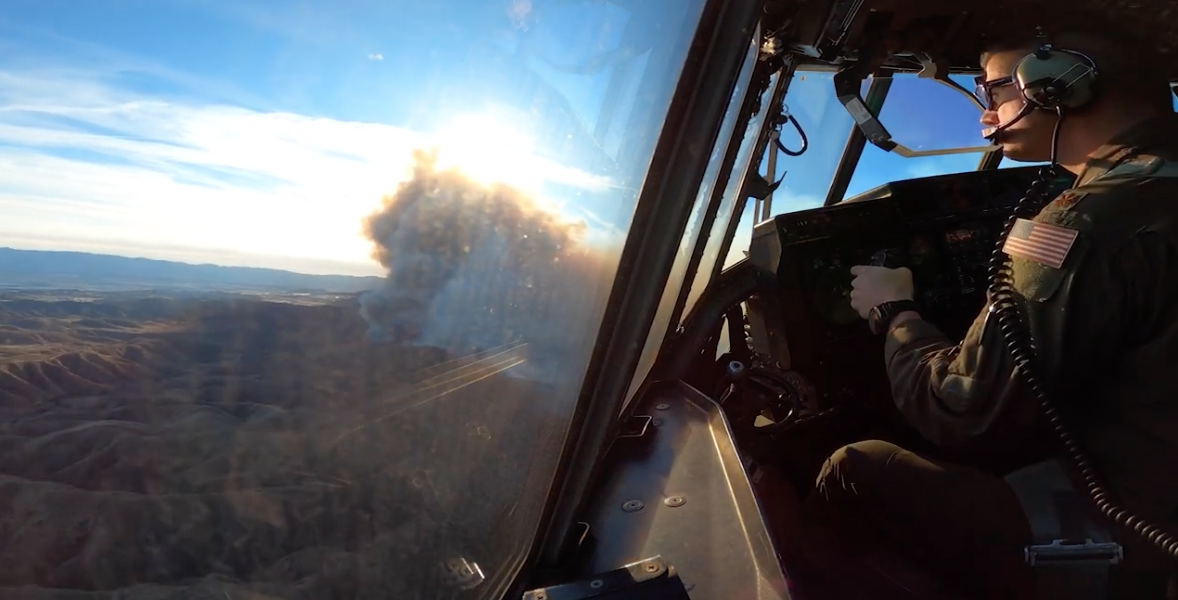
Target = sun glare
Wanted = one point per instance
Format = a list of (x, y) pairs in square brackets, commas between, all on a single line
[(489, 150), (486, 149)]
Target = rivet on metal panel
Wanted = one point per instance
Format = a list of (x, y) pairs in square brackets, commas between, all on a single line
[(663, 406), (735, 368), (674, 501), (632, 505), (657, 422), (596, 584), (464, 574)]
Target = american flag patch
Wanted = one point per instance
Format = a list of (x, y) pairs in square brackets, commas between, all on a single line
[(1041, 242)]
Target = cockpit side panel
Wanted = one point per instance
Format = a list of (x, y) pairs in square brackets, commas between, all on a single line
[(677, 488)]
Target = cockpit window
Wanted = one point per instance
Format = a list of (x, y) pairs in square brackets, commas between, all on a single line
[(709, 187), (920, 113), (805, 178), (926, 115), (1006, 163), (392, 230), (742, 167)]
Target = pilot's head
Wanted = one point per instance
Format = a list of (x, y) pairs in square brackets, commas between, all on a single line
[(1129, 79)]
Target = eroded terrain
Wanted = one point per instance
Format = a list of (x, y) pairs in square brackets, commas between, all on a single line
[(184, 447)]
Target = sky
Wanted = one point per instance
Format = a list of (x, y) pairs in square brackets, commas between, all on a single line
[(920, 114), (260, 133)]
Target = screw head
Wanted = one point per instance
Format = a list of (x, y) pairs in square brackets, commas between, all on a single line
[(651, 567), (663, 406), (674, 501), (596, 584), (632, 505)]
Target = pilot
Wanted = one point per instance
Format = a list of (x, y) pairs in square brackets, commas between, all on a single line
[(1095, 275)]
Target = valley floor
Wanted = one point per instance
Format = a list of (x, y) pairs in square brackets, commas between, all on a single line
[(158, 448)]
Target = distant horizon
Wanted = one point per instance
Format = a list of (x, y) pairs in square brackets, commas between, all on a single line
[(375, 273)]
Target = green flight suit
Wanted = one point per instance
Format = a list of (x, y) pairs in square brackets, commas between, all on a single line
[(1105, 325), (1096, 274)]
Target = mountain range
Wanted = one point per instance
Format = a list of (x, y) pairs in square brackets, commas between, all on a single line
[(82, 270)]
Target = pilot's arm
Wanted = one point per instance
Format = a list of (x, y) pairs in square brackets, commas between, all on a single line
[(965, 398)]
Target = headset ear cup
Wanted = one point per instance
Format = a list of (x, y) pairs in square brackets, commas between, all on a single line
[(1081, 81), (1061, 80), (1041, 93)]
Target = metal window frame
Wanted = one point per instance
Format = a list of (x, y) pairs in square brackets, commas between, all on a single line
[(697, 109)]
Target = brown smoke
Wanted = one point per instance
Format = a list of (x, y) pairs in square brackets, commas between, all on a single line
[(474, 266)]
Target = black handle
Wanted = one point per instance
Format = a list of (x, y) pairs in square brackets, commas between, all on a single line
[(890, 258)]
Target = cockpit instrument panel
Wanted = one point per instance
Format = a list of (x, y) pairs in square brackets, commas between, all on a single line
[(943, 228)]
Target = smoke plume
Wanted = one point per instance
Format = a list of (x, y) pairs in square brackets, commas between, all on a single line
[(472, 267)]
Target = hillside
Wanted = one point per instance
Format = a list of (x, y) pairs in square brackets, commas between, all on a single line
[(81, 270), (158, 447)]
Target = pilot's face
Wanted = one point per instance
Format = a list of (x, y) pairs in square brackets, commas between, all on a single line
[(1028, 140)]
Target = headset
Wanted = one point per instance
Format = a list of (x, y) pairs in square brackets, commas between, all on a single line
[(1060, 81), (1049, 79)]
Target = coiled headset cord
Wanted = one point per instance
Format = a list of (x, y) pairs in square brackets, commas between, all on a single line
[(1019, 341)]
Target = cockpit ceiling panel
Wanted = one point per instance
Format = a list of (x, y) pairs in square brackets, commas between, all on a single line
[(957, 30)]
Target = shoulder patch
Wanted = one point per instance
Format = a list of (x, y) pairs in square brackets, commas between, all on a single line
[(1141, 166), (1043, 243), (1067, 199)]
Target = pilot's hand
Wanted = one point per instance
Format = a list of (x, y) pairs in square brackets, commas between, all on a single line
[(873, 286)]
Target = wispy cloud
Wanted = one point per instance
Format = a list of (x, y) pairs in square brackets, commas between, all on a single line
[(321, 24), (100, 60), (520, 12), (85, 164), (377, 56), (84, 161), (931, 166)]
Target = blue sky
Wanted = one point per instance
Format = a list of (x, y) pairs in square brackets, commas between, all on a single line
[(260, 133), (919, 113)]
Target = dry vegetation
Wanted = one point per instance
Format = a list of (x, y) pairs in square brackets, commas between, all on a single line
[(216, 446), (162, 448)]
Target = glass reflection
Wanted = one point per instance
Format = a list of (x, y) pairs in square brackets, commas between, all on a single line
[(394, 227), (678, 276)]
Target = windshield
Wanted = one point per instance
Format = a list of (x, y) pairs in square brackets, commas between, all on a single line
[(297, 302), (695, 225), (920, 113)]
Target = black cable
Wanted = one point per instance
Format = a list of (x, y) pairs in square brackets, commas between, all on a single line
[(786, 117), (1020, 342), (770, 383)]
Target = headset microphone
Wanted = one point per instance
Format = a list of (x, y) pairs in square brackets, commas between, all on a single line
[(992, 132), (1051, 79)]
